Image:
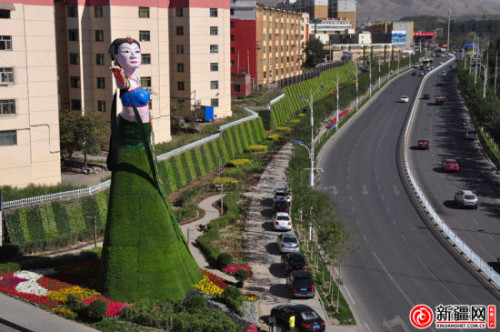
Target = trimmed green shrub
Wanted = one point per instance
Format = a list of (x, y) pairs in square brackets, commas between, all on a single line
[(241, 275), (196, 303), (233, 172), (233, 298), (256, 148), (97, 310), (224, 260)]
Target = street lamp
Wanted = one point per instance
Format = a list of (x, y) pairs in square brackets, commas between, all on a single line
[(370, 66), (337, 82), (311, 152)]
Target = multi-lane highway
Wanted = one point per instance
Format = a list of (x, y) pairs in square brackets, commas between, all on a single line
[(401, 262)]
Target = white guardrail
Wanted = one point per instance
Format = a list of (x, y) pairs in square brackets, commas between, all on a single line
[(465, 250), (106, 184)]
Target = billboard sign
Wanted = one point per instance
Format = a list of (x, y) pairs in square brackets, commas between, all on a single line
[(424, 34), (398, 37)]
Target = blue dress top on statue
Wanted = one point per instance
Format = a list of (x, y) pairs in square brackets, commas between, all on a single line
[(140, 96)]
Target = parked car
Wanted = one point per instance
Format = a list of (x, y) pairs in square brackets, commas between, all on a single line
[(426, 96), (301, 284), (405, 99), (414, 73), (283, 192), (282, 221), (293, 262), (423, 144), (306, 319), (466, 199), (421, 74), (471, 134), (443, 73), (288, 242), (450, 165), (281, 205)]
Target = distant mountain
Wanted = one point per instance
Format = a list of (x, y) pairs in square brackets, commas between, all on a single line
[(381, 10)]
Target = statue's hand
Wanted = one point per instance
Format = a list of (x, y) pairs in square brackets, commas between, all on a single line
[(121, 80)]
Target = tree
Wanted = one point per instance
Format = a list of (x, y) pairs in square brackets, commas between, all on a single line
[(69, 132), (93, 131), (314, 52)]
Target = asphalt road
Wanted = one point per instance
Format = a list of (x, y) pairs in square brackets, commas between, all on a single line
[(400, 262), (442, 124)]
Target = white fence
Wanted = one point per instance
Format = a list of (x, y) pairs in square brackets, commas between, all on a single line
[(465, 250), (106, 184)]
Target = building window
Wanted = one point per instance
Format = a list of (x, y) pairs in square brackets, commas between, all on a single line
[(7, 106), (179, 12), (101, 83), (76, 105), (144, 12), (99, 35), (232, 63), (214, 48), (74, 59), (180, 86), (4, 13), (71, 10), (99, 59), (146, 81), (180, 49), (8, 137), (5, 43), (264, 62), (144, 35), (232, 24), (214, 102), (231, 11), (179, 30), (214, 31), (180, 67), (265, 74), (232, 37), (214, 85), (146, 59), (98, 11), (213, 12), (6, 75), (214, 66), (237, 88), (74, 81), (72, 34), (101, 105), (232, 50)]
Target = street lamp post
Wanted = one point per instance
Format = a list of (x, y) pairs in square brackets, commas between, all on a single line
[(337, 82), (370, 65), (379, 72), (311, 151), (357, 98)]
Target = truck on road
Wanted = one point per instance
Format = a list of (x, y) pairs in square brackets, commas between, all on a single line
[(440, 99)]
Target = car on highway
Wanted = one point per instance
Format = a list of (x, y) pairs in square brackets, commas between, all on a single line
[(301, 284), (450, 165), (306, 319), (288, 242), (423, 144), (471, 134), (426, 96), (439, 83), (283, 192), (466, 199), (293, 262), (281, 205), (405, 99), (443, 73), (282, 221), (421, 73)]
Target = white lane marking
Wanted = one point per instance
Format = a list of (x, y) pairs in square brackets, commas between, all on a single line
[(367, 327), (365, 190), (353, 209), (357, 222), (350, 197), (394, 222), (387, 209), (382, 197), (365, 238), (396, 191), (410, 303), (396, 324)]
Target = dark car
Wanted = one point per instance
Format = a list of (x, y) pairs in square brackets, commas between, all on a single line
[(293, 262), (281, 206), (306, 319), (301, 283), (426, 96)]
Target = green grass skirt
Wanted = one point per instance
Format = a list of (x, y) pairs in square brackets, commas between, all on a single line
[(143, 256)]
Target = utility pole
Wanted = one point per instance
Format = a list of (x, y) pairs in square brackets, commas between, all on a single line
[(95, 231), (495, 75), (448, 42), (485, 76), (370, 77)]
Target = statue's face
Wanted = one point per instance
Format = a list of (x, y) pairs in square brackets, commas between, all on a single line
[(129, 56)]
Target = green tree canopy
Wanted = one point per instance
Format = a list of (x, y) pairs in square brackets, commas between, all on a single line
[(314, 53)]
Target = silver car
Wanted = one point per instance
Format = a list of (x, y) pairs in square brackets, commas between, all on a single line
[(288, 242), (466, 198)]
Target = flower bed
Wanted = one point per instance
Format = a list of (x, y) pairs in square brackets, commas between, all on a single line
[(231, 269)]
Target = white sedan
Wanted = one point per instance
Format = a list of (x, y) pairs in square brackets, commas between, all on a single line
[(282, 222), (405, 99)]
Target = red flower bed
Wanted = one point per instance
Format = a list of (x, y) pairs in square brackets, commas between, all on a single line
[(215, 279), (114, 308), (41, 301), (231, 269), (52, 284)]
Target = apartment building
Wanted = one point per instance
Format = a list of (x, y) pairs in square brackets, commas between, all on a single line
[(200, 54), (84, 32), (315, 8), (267, 43), (343, 9), (29, 120)]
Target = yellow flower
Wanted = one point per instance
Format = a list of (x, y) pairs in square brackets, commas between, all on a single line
[(61, 295), (224, 180), (238, 162), (274, 137), (208, 288), (256, 148), (284, 129), (65, 312)]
